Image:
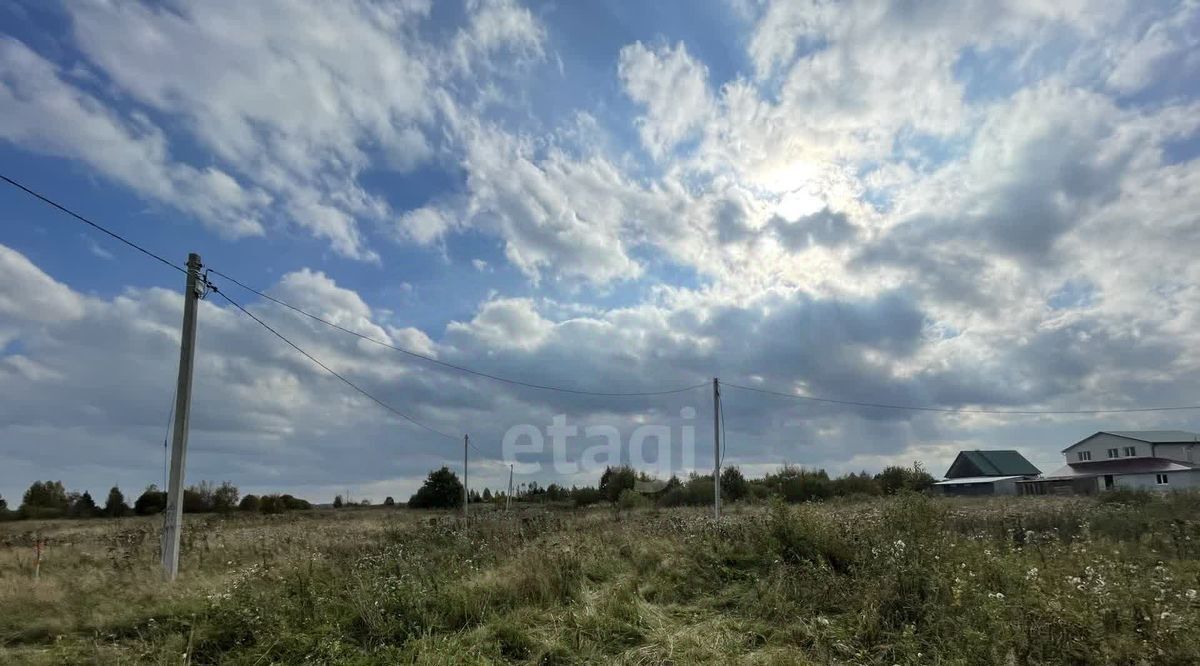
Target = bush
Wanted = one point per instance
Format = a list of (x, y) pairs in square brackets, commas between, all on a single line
[(442, 490), (583, 496), (616, 479), (250, 504), (733, 485), (150, 502), (225, 498), (631, 499), (1130, 496)]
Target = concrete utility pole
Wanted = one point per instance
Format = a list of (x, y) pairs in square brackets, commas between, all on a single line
[(716, 448), (173, 515), (466, 494), (508, 497)]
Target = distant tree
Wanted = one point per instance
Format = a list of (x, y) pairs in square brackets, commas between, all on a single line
[(442, 490), (250, 504), (364, 502), (733, 485), (586, 496), (895, 478), (3, 504), (487, 494), (45, 499), (290, 503), (919, 479), (388, 501), (151, 501), (83, 506), (115, 506), (338, 502), (616, 479), (225, 498), (271, 504)]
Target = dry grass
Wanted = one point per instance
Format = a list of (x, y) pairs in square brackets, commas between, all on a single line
[(905, 580)]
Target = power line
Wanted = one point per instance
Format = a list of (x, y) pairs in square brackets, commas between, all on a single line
[(331, 371), (92, 224), (953, 410), (445, 364)]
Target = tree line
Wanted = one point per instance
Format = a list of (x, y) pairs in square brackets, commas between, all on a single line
[(50, 499), (623, 485)]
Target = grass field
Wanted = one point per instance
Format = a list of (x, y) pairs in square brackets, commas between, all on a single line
[(903, 580)]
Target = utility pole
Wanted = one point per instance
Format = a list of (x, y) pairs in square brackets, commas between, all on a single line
[(466, 495), (508, 497), (173, 515), (716, 448)]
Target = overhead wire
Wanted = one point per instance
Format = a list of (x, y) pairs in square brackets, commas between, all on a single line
[(956, 410), (92, 224), (430, 359), (331, 371)]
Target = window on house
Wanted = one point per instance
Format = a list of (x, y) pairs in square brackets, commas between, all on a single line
[(1131, 450), (1085, 455), (1160, 479), (1113, 453)]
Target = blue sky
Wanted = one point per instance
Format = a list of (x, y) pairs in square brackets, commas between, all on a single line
[(969, 204)]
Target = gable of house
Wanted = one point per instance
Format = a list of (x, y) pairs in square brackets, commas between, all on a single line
[(1120, 438), (990, 463)]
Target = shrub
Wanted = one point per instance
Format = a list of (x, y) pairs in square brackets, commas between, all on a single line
[(733, 485), (150, 502), (442, 490), (225, 498), (250, 504)]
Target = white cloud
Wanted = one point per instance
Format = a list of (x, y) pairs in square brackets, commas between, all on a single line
[(30, 294), (673, 86), (506, 323), (48, 115)]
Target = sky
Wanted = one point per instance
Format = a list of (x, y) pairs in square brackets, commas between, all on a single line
[(959, 204)]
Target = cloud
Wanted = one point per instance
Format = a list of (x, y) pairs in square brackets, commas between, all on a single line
[(32, 295), (48, 115), (672, 86), (952, 204), (288, 118)]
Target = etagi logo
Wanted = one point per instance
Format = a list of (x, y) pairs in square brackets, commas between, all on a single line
[(529, 442)]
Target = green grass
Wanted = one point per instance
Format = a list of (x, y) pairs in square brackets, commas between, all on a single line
[(903, 580)]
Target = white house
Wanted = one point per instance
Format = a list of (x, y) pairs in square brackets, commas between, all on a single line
[(1135, 459)]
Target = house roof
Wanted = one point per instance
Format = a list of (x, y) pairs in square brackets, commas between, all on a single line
[(1148, 436), (971, 480), (998, 463), (1157, 436), (1120, 466)]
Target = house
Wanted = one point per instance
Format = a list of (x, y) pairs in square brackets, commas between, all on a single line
[(1135, 459), (986, 473)]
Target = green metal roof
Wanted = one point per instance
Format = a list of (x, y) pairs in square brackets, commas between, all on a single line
[(999, 463)]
